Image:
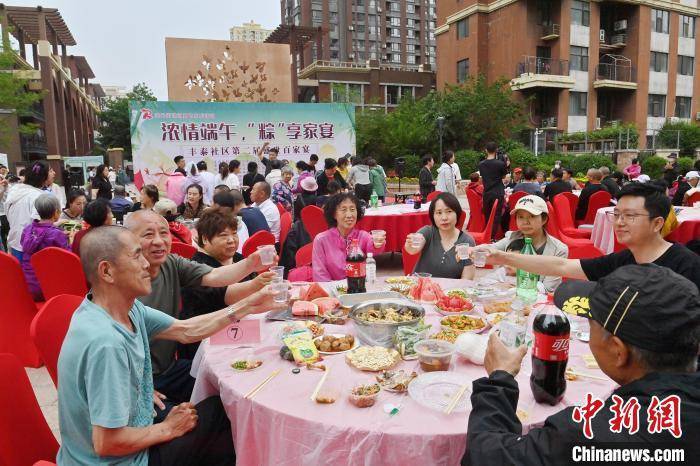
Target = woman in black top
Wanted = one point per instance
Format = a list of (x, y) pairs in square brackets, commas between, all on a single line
[(249, 180), (193, 206), (101, 187), (149, 197)]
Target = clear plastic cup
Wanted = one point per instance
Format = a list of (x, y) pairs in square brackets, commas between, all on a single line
[(281, 291), (279, 271), (267, 254), (416, 240), (479, 258), (462, 251)]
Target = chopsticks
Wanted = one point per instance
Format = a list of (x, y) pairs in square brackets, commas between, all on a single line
[(456, 398), (320, 384), (571, 371), (253, 391)]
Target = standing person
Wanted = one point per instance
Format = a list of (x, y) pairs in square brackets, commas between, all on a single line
[(75, 205), (19, 206), (633, 170), (234, 168), (446, 174), (273, 153), (569, 178), (260, 195), (344, 166), (226, 177), (148, 196), (101, 187), (557, 186), (329, 173), (593, 186), (208, 182), (249, 180), (275, 173), (112, 176), (196, 176), (609, 182), (180, 165), (426, 183), (492, 171), (671, 169), (175, 187), (313, 160), (378, 178), (359, 179), (282, 190), (306, 197), (686, 188), (194, 205), (529, 183)]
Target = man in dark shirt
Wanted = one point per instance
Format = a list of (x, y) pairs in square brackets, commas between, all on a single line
[(528, 184), (638, 219), (252, 217), (180, 162), (609, 182), (329, 173), (594, 178), (426, 183), (671, 169), (557, 185), (273, 153), (492, 171)]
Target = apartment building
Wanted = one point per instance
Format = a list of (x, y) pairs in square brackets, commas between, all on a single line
[(249, 32), (582, 64), (387, 48)]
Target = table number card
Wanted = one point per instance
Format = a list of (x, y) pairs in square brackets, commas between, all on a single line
[(243, 333)]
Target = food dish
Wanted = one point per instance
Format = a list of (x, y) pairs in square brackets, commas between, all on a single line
[(434, 355), (494, 318), (388, 314), (364, 396), (463, 324), (426, 291), (454, 305), (372, 358), (407, 336), (395, 381), (304, 308), (457, 292), (402, 288), (400, 281), (335, 343), (435, 390), (243, 365)]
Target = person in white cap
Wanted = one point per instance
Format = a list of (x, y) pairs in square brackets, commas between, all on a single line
[(687, 188), (531, 216), (643, 178)]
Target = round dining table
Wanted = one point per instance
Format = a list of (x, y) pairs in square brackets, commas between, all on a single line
[(398, 220), (281, 425)]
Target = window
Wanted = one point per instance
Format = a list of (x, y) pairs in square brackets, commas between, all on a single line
[(657, 105), (410, 8), (394, 21), (395, 32), (395, 47), (396, 58), (687, 28), (316, 15), (410, 33), (394, 6), (462, 70), (658, 62), (659, 21), (685, 65), (462, 28), (683, 107), (580, 13), (578, 103), (392, 95), (578, 59)]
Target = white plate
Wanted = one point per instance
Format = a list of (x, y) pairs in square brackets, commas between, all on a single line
[(435, 390), (338, 335)]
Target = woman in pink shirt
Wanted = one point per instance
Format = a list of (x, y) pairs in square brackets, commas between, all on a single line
[(633, 170), (330, 249)]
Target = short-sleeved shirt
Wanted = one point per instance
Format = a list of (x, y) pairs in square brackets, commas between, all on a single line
[(492, 172), (105, 379), (254, 220), (175, 273), (438, 262), (677, 258)]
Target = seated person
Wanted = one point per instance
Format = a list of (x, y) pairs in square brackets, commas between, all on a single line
[(194, 205), (557, 185), (593, 186), (260, 195), (120, 202), (638, 219), (178, 231), (437, 249), (218, 242), (686, 188), (529, 183), (75, 206), (97, 213), (306, 197), (330, 249), (531, 216), (234, 201), (649, 350), (169, 274), (475, 184), (332, 189), (253, 218), (609, 182), (41, 234), (105, 390), (149, 196)]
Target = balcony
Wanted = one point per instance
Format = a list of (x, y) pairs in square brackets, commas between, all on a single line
[(550, 32), (612, 43), (615, 72), (33, 144), (549, 122), (538, 72)]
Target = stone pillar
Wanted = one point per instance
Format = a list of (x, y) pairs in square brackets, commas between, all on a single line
[(49, 100)]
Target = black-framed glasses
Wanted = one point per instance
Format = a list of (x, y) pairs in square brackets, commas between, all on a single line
[(626, 218)]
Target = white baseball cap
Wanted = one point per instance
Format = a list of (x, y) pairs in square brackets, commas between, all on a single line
[(643, 178), (533, 204), (692, 174)]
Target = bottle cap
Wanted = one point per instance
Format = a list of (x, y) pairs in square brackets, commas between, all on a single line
[(369, 254)]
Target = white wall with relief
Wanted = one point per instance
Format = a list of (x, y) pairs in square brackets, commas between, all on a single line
[(577, 123), (659, 42), (580, 35), (658, 82)]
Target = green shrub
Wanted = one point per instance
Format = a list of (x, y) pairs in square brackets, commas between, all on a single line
[(685, 164), (580, 164), (468, 161), (689, 137), (608, 132), (654, 166)]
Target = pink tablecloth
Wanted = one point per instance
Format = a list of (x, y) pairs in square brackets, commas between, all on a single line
[(397, 220), (603, 236), (282, 426)]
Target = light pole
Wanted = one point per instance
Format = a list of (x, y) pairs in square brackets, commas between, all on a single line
[(537, 138), (441, 130)]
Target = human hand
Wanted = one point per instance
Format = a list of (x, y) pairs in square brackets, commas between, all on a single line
[(499, 357), (263, 301), (264, 279), (158, 398), (493, 255), (434, 182), (379, 240), (181, 419), (255, 263), (414, 243)]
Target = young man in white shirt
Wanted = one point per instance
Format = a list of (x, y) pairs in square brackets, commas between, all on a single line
[(260, 195)]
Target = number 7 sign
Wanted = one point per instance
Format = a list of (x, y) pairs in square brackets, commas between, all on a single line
[(245, 332)]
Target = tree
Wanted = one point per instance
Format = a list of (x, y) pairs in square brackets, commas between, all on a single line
[(14, 95), (115, 130), (685, 135)]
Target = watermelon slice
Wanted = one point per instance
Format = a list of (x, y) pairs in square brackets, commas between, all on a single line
[(304, 308), (326, 304), (311, 292)]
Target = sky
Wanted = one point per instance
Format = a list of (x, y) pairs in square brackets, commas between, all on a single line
[(124, 40)]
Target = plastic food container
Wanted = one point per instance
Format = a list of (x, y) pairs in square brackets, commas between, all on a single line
[(434, 355), (364, 400), (497, 302)]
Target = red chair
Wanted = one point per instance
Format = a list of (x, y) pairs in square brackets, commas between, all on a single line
[(59, 272), (693, 199), (512, 200), (566, 222), (618, 245), (183, 250), (409, 261), (584, 252), (433, 195), (597, 201), (281, 208), (16, 314), (573, 201), (260, 238), (552, 228), (25, 437), (49, 328), (485, 236), (285, 226), (313, 220), (476, 214), (304, 255), (460, 221)]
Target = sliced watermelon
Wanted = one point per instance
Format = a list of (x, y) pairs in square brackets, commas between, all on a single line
[(326, 304), (304, 308), (311, 292)]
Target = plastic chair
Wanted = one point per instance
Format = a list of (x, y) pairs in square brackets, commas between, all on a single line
[(304, 255), (281, 208), (183, 250), (476, 214), (566, 222), (512, 200), (584, 252), (693, 199), (409, 261), (59, 272), (49, 328), (260, 238), (314, 221), (485, 236), (16, 314), (25, 437), (460, 221), (573, 201), (432, 196), (597, 201), (552, 228), (285, 226)]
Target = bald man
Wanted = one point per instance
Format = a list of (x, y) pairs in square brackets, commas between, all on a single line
[(105, 388), (260, 195), (169, 273), (594, 185)]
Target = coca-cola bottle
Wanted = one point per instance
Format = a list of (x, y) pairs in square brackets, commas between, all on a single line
[(355, 268), (550, 354)]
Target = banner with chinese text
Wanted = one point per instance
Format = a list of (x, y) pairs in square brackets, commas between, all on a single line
[(222, 131)]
